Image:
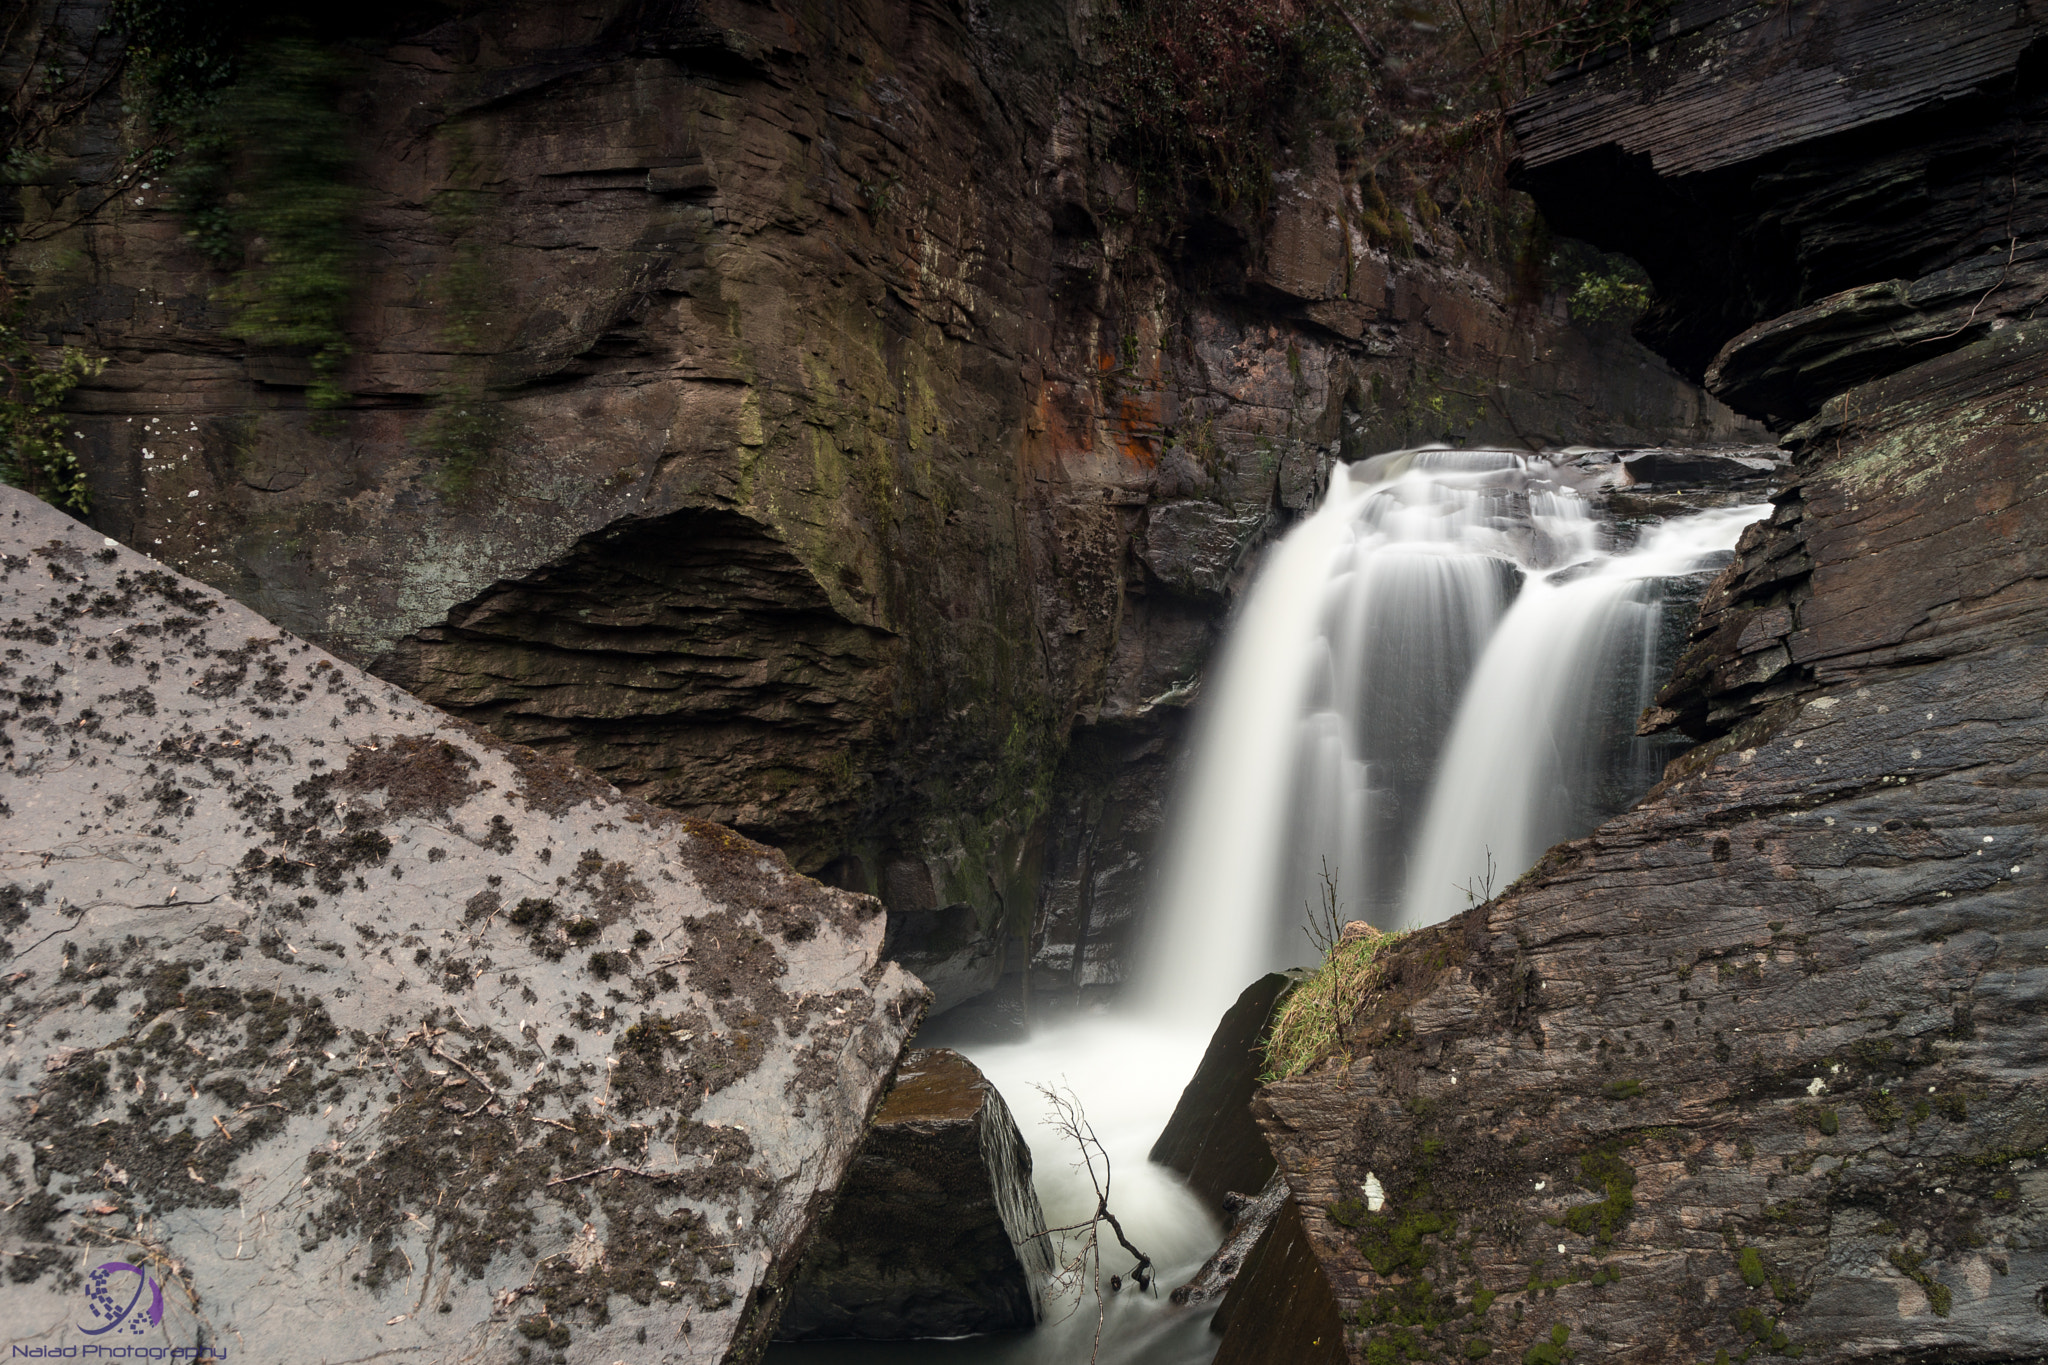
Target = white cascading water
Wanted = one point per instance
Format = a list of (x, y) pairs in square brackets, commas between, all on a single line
[(1441, 665), (1573, 661)]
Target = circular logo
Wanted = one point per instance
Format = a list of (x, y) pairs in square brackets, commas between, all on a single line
[(114, 1292)]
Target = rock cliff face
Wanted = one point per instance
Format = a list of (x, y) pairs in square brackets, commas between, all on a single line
[(335, 1026), (790, 414), (1753, 1069)]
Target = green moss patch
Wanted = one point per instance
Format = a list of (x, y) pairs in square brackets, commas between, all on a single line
[(1603, 1170)]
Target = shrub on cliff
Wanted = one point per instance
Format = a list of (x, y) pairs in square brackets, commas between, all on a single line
[(1309, 1023), (33, 386)]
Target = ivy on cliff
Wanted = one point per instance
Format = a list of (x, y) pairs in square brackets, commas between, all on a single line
[(34, 454)]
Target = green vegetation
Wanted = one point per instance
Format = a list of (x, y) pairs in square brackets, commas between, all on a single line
[(1551, 1352), (466, 426), (1882, 1108), (255, 148), (1612, 297), (1602, 1169), (33, 386), (461, 433), (1309, 1022), (1908, 1262), (1599, 286), (1763, 1337), (277, 201)]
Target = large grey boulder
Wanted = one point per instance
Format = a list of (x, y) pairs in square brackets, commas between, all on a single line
[(937, 1232), (336, 1029)]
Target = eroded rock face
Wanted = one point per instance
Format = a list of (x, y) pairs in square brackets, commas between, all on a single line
[(788, 412), (1753, 1069), (1839, 185), (1279, 1309), (359, 1030), (937, 1231), (691, 658)]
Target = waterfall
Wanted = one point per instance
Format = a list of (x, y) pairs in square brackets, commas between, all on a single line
[(1434, 678), (1543, 746), (1443, 663)]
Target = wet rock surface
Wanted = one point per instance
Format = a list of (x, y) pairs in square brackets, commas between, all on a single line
[(1211, 1137), (1754, 1068), (356, 1030), (933, 1232), (1250, 1216), (1280, 1310)]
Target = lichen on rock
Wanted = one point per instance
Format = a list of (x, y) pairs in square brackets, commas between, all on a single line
[(323, 1008)]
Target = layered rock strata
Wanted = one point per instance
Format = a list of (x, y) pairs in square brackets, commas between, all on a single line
[(1751, 1070), (790, 414), (335, 1026), (937, 1231)]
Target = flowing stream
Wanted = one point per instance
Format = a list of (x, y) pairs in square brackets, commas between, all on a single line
[(1432, 679)]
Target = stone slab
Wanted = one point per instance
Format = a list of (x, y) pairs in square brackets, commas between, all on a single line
[(1211, 1137), (352, 1032), (933, 1234)]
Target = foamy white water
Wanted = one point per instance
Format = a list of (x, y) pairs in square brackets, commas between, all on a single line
[(1127, 1072), (1440, 664), (1541, 706), (1232, 819)]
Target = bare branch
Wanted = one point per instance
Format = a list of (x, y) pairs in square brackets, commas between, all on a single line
[(1077, 1246)]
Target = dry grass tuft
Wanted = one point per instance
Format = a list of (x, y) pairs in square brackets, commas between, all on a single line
[(1310, 1021)]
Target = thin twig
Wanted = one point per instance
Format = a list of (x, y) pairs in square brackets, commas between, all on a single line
[(617, 1170)]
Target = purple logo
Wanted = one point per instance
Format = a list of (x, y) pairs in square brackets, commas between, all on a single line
[(113, 1301)]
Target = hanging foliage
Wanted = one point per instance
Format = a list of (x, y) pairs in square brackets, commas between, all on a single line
[(34, 382)]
